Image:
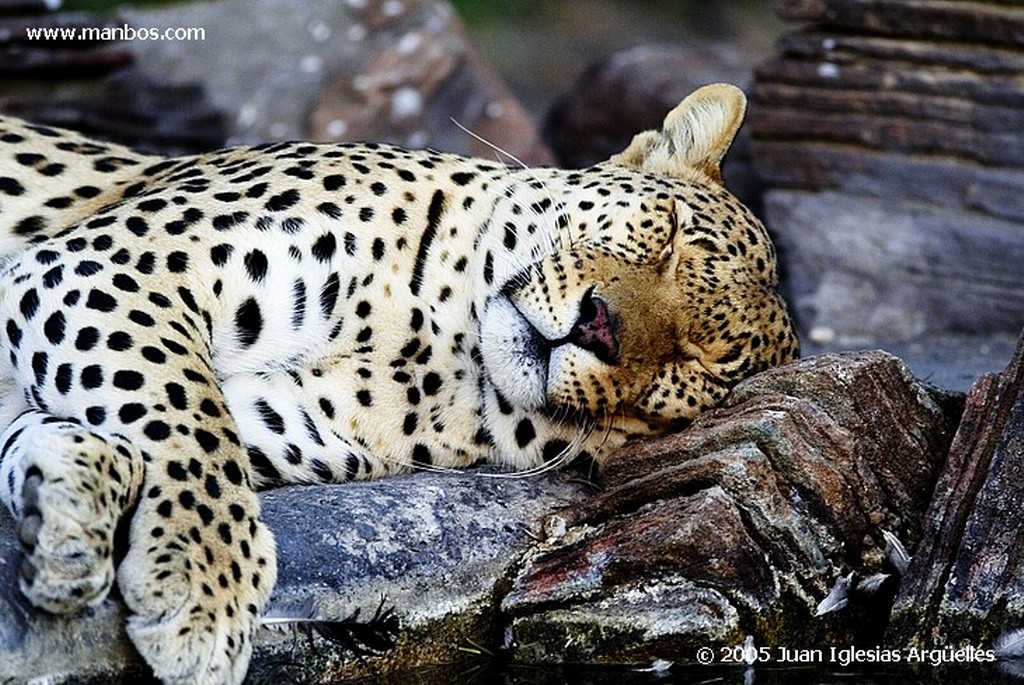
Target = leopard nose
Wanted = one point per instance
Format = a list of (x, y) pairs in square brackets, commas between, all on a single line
[(594, 330)]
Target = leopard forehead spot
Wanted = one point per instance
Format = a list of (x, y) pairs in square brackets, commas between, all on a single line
[(301, 312)]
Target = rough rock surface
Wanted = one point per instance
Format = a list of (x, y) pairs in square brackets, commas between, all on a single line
[(736, 526), (965, 584), (888, 132)]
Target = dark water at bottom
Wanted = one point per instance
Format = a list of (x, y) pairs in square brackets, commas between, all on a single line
[(486, 673)]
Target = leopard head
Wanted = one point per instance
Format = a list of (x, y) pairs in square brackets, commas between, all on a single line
[(661, 294)]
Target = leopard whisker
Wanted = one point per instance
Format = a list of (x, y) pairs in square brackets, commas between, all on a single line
[(560, 460), (494, 147), (553, 236)]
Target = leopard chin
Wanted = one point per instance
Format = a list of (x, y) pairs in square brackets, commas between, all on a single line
[(515, 355)]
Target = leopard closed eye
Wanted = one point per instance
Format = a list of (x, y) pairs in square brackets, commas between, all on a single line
[(178, 333)]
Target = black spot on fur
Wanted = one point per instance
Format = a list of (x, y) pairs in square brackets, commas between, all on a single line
[(282, 201), (219, 254), (14, 333), (137, 225), (325, 246), (327, 407), (54, 328), (299, 303), (177, 262), (62, 379), (421, 455), (11, 187), (233, 472), (489, 268), (176, 395), (125, 283), (525, 433), (270, 418), (249, 322), (209, 444), (29, 304), (128, 380), (100, 301), (91, 377), (157, 430), (256, 266), (434, 213), (432, 383), (30, 225), (329, 295), (333, 182), (87, 339), (131, 412), (119, 341)]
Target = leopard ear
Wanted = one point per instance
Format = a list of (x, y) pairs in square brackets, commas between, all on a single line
[(694, 137)]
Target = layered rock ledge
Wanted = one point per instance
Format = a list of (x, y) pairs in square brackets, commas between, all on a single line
[(888, 135)]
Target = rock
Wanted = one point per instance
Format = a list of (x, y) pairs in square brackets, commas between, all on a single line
[(631, 91), (437, 548), (987, 21), (738, 525), (252, 71), (383, 70), (953, 362), (868, 267), (964, 584), (133, 110), (892, 128), (425, 87), (88, 84)]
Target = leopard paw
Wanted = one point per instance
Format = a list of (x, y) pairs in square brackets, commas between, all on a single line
[(75, 486), (196, 590)]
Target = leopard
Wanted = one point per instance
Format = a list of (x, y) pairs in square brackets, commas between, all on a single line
[(180, 333)]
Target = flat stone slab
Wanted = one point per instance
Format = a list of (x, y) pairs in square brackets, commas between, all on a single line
[(432, 547)]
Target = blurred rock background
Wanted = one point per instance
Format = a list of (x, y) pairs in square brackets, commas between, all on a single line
[(885, 157)]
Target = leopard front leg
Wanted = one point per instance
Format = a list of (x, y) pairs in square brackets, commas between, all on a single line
[(67, 487), (201, 564)]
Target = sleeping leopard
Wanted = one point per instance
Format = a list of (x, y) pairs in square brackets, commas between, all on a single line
[(178, 333)]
